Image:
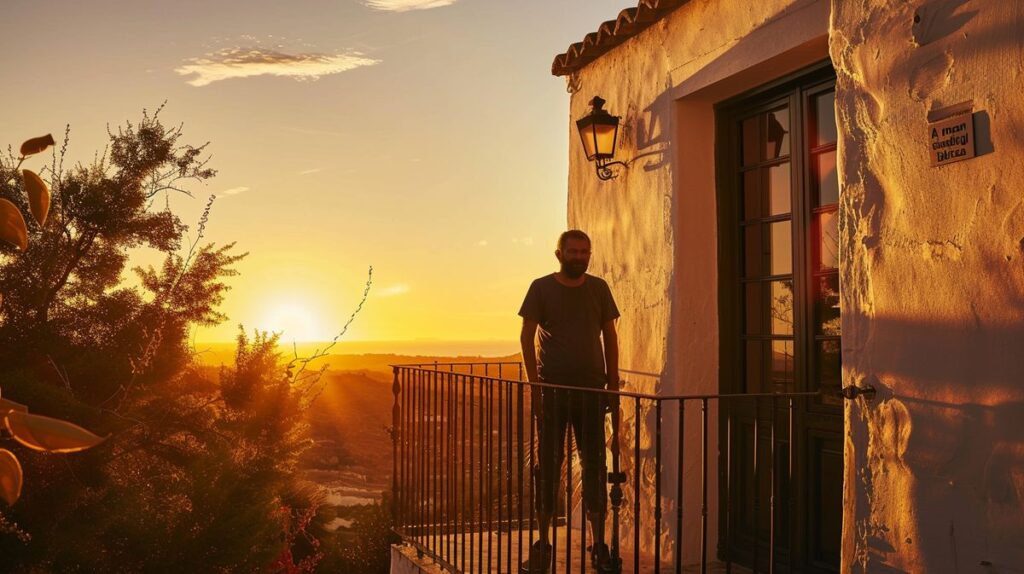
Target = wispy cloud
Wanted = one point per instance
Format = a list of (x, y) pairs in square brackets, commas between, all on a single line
[(233, 191), (393, 290), (406, 5), (309, 171), (523, 240), (482, 243), (250, 62)]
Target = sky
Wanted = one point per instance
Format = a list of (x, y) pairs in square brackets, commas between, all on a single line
[(425, 138)]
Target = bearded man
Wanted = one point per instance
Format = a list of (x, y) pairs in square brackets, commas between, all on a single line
[(575, 314)]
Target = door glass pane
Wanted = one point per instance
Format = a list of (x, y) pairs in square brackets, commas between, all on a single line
[(827, 225), (753, 250), (751, 141), (752, 194), (782, 307), (826, 305), (754, 308), (782, 248), (825, 118), (782, 365), (755, 366), (779, 189), (829, 363), (827, 181), (777, 134)]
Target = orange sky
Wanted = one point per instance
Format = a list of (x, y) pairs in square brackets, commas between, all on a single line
[(426, 138)]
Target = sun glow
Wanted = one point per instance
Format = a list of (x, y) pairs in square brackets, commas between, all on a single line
[(294, 321)]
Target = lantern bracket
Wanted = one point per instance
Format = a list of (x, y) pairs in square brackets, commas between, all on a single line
[(604, 173)]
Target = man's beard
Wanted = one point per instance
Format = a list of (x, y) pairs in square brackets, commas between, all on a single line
[(574, 270)]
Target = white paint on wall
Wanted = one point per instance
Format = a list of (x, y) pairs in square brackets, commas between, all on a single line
[(932, 286)]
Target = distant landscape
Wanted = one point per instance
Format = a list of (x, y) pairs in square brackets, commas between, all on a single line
[(349, 421)]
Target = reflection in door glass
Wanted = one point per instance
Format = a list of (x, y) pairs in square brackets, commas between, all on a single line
[(782, 248), (777, 134), (778, 189)]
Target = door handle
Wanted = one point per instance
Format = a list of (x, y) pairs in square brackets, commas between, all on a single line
[(853, 391)]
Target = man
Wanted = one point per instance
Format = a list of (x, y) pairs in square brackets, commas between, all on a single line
[(574, 312)]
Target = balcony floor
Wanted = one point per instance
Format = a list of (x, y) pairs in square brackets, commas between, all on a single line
[(452, 546)]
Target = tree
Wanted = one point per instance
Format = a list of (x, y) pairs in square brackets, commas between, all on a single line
[(65, 293)]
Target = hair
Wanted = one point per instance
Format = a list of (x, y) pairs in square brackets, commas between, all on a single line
[(572, 234)]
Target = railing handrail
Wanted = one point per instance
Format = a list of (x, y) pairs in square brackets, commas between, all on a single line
[(619, 392)]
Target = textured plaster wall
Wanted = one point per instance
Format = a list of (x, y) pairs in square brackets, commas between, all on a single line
[(932, 286), (654, 227)]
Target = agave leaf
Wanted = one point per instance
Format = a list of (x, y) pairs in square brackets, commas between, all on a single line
[(49, 434), (38, 195), (10, 477), (36, 145), (7, 406), (12, 225)]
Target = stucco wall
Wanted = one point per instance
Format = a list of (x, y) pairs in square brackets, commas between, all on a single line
[(932, 286), (654, 230)]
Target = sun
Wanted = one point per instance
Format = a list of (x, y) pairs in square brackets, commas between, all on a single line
[(294, 321)]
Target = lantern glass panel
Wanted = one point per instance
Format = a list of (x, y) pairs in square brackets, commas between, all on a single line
[(587, 135), (604, 135)]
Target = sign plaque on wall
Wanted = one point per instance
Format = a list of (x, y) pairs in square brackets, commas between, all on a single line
[(952, 135)]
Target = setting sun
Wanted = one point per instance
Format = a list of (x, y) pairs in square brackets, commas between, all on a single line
[(294, 321)]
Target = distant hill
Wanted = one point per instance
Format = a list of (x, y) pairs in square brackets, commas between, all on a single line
[(376, 355)]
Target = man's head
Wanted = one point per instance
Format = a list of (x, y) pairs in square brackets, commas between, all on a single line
[(573, 253)]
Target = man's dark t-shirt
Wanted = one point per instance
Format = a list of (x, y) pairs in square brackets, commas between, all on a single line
[(570, 320)]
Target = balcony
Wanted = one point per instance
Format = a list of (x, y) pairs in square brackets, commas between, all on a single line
[(696, 483)]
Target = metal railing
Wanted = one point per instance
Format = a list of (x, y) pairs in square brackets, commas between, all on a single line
[(465, 442)]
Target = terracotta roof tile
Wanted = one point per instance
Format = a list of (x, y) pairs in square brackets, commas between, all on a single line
[(629, 23)]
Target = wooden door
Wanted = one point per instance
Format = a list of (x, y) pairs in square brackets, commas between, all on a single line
[(779, 308)]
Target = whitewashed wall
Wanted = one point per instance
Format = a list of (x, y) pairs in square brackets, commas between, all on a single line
[(932, 286)]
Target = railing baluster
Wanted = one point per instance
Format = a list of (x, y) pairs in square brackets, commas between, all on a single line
[(636, 485), (490, 472), (396, 437), (442, 506), (791, 503), (679, 486), (483, 474), (757, 488), (657, 487), (423, 501), (450, 469), (520, 399), (472, 493), (771, 495), (704, 485), (462, 475), (726, 549), (508, 475), (533, 465), (501, 409), (568, 498), (583, 532), (436, 455)]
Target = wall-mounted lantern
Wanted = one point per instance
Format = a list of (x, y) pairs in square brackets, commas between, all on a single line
[(599, 131)]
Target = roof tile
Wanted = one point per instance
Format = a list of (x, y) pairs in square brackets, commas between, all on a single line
[(629, 23)]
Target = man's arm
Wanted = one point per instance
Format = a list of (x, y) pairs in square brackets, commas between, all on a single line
[(611, 362), (526, 341), (611, 354)]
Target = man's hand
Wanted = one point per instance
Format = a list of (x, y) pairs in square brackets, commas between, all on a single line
[(611, 401)]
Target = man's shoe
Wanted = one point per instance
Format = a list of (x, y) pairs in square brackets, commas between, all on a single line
[(602, 561), (539, 560)]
